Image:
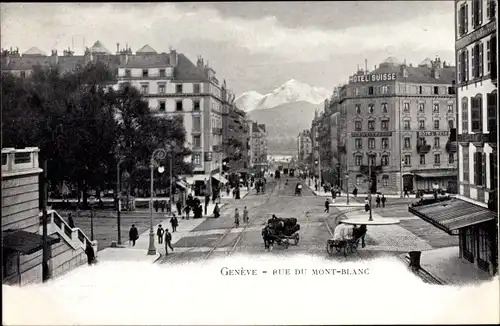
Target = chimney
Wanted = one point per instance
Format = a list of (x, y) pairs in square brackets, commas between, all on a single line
[(366, 66), (173, 57), (436, 68), (117, 47), (56, 56)]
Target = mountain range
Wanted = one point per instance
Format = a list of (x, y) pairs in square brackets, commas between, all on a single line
[(286, 111)]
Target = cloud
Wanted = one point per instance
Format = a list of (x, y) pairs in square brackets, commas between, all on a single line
[(161, 25)]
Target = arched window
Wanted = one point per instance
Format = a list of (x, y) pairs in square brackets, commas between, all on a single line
[(385, 160), (465, 115), (385, 180), (476, 113)]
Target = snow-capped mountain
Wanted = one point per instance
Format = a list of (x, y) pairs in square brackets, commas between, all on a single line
[(290, 92)]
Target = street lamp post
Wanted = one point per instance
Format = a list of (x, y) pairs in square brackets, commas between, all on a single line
[(347, 186), (171, 182), (92, 201), (118, 200), (370, 187), (159, 154)]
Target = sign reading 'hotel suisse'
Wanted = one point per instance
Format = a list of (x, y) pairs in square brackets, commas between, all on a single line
[(388, 76), (433, 133)]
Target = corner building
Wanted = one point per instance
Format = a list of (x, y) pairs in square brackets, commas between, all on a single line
[(398, 118)]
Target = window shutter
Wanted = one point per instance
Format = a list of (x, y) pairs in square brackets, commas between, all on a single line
[(473, 12), (480, 12), (466, 18), (483, 169), (481, 59), (475, 169), (460, 20), (466, 73), (459, 61), (473, 61)]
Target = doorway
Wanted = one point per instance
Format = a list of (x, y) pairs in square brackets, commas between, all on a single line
[(408, 182)]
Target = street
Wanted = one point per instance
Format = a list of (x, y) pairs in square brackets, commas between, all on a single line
[(214, 238)]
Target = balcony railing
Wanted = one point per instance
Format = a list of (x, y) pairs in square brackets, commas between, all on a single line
[(423, 148), (451, 147)]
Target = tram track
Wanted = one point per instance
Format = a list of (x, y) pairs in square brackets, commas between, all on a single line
[(242, 232)]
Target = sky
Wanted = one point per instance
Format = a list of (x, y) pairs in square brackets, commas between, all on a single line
[(252, 45)]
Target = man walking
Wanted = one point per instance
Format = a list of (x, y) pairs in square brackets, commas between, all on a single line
[(245, 215), (179, 207), (377, 200), (159, 233), (174, 222), (71, 223), (133, 235), (383, 200), (327, 206), (168, 241), (236, 217)]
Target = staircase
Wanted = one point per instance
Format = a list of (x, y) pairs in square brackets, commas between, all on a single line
[(69, 253)]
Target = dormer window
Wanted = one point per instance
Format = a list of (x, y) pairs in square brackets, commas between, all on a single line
[(178, 88), (128, 73), (145, 73), (162, 73)]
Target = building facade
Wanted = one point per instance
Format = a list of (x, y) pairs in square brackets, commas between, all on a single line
[(304, 145), (398, 119), (258, 143), (170, 82), (473, 215)]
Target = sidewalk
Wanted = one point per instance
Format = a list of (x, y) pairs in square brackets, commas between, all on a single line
[(446, 266), (243, 193)]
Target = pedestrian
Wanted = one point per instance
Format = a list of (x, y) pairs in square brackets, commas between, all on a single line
[(133, 235), (168, 241), (377, 200), (216, 211), (245, 215), (236, 217), (406, 193), (383, 200), (155, 205), (162, 206), (187, 209), (228, 190), (71, 223), (207, 202), (367, 204), (159, 233), (179, 207), (355, 191), (327, 206), (89, 251), (174, 222)]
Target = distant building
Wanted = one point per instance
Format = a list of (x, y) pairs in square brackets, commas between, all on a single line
[(170, 82), (399, 119), (258, 143), (304, 145), (473, 215)]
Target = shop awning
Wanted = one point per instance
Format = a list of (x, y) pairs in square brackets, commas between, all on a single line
[(197, 177), (182, 184), (220, 178), (453, 214), (442, 174), (25, 242)]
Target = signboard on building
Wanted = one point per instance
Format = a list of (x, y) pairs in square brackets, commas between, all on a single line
[(476, 35), (433, 133), (370, 78), (208, 156), (477, 138), (371, 134)]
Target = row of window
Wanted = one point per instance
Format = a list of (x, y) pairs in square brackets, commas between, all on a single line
[(437, 159), (476, 14), (145, 73), (179, 107), (162, 88), (406, 108), (421, 124), (408, 89), (477, 61), (384, 143), (476, 113), (479, 168)]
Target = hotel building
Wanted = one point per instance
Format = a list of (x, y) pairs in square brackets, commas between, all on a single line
[(473, 214), (398, 118), (170, 82)]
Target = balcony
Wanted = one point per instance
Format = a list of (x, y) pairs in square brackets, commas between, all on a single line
[(451, 147), (365, 169), (423, 148), (217, 131)]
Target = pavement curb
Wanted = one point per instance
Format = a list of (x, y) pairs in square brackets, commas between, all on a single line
[(427, 274)]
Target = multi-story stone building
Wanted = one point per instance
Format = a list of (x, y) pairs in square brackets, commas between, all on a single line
[(236, 133), (398, 119), (170, 82), (473, 214), (304, 145), (258, 143)]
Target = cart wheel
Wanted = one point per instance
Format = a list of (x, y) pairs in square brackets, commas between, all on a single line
[(354, 247), (347, 250), (297, 237), (338, 248), (329, 249)]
